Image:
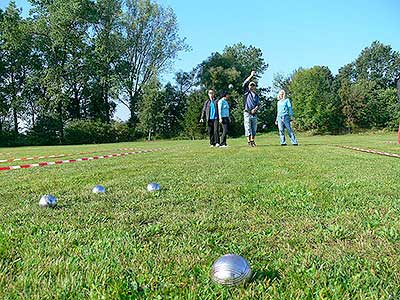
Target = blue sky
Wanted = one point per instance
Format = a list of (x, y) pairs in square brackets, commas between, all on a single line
[(291, 34)]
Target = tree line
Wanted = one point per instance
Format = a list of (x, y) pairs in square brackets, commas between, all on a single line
[(64, 69)]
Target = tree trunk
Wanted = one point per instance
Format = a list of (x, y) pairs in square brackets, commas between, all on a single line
[(15, 118), (76, 106), (134, 98), (61, 119)]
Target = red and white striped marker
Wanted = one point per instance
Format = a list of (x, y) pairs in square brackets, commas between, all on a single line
[(57, 155), (39, 157), (59, 162), (372, 151)]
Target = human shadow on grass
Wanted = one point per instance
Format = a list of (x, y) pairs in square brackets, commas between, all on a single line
[(261, 275)]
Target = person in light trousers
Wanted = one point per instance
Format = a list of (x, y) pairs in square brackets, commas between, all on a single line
[(284, 117)]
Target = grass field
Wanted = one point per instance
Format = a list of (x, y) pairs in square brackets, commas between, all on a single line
[(314, 221)]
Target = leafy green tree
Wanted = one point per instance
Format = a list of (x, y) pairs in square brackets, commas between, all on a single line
[(191, 125), (151, 109), (313, 99), (174, 107), (378, 63), (151, 42), (106, 48), (231, 67), (15, 51), (61, 34), (365, 88)]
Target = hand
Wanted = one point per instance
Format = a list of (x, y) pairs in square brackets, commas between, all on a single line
[(220, 120), (201, 120), (253, 111), (276, 122), (253, 73)]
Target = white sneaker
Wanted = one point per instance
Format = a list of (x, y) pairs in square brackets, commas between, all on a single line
[(224, 146), (217, 145)]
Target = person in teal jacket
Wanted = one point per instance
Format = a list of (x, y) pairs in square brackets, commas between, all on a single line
[(283, 118), (223, 113)]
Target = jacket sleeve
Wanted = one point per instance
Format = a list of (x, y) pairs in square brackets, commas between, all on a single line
[(289, 106), (219, 109), (203, 112)]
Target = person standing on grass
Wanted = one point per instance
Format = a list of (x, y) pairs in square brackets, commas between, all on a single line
[(284, 117), (210, 114), (251, 105), (223, 112)]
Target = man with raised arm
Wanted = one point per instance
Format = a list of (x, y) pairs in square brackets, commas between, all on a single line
[(251, 105)]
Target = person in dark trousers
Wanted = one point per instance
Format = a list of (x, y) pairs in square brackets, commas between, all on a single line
[(251, 106), (223, 112), (210, 114)]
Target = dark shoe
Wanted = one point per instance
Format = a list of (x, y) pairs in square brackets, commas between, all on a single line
[(253, 143), (283, 144), (249, 144), (295, 144)]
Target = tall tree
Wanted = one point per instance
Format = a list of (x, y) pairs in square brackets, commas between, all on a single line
[(378, 63), (152, 109), (231, 67), (15, 52), (191, 126), (62, 29), (106, 43), (151, 42), (314, 100)]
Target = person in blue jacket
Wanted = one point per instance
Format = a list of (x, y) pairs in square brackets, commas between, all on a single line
[(284, 117), (223, 113)]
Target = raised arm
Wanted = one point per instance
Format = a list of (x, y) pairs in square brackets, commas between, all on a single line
[(249, 78)]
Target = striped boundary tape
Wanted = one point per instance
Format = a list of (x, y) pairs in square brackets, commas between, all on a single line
[(57, 155), (59, 162), (371, 151)]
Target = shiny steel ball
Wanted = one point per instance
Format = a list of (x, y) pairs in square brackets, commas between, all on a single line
[(230, 270)]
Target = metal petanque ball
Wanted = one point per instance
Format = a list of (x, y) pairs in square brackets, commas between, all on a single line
[(99, 189), (230, 269), (48, 201), (152, 187), (230, 86)]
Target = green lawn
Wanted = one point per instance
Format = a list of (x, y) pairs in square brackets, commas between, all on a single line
[(314, 221)]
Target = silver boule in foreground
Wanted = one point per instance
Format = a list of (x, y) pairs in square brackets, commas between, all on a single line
[(48, 201), (231, 269), (99, 189), (152, 187), (230, 86)]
